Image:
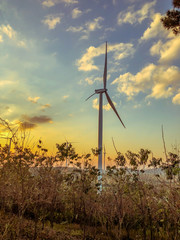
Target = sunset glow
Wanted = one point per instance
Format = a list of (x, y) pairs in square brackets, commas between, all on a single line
[(52, 59)]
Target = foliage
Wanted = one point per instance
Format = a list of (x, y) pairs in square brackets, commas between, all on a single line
[(40, 198), (172, 18)]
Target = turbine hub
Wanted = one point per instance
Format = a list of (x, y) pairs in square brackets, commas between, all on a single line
[(101, 90)]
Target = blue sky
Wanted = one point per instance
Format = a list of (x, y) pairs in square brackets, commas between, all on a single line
[(52, 59)]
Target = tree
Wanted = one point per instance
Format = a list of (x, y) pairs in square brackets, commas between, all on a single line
[(172, 18)]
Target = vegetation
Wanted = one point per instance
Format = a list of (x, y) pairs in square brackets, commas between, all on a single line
[(172, 18), (41, 199)]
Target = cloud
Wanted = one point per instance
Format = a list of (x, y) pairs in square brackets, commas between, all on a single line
[(8, 30), (1, 38), (74, 29), (68, 2), (42, 106), (89, 81), (106, 107), (131, 16), (132, 1), (121, 50), (7, 110), (176, 98), (166, 82), (109, 29), (4, 83), (168, 51), (76, 13), (137, 106), (33, 100), (65, 97), (22, 44), (45, 106), (51, 3), (37, 119), (156, 48), (27, 125), (133, 84), (156, 29), (154, 81), (93, 25), (51, 21), (88, 27), (92, 79)]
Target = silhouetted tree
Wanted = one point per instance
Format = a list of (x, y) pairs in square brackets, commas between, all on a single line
[(172, 18)]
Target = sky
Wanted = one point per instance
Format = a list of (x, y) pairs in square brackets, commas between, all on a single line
[(52, 59)]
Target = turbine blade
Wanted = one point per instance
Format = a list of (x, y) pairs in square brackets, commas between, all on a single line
[(105, 69), (90, 96), (113, 107)]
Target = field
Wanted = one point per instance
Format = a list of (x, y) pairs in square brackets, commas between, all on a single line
[(41, 201)]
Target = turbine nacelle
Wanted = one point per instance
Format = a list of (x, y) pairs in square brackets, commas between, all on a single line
[(100, 90)]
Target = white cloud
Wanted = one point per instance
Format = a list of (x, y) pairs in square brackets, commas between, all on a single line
[(88, 27), (22, 44), (121, 50), (74, 29), (1, 38), (156, 29), (132, 17), (166, 81), (109, 29), (132, 1), (84, 37), (101, 78), (51, 21), (131, 84), (168, 51), (106, 107), (156, 48), (6, 111), (94, 25), (76, 13), (155, 81), (86, 62), (45, 106), (4, 83), (51, 3), (69, 1), (89, 81), (137, 106), (176, 98), (8, 30), (33, 100), (65, 97), (92, 79), (48, 3)]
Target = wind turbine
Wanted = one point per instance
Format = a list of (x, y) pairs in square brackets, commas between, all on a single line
[(100, 120), (104, 159)]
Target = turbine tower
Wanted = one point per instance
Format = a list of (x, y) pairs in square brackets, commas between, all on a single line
[(100, 120)]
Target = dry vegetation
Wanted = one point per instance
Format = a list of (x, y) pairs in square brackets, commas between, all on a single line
[(40, 201)]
